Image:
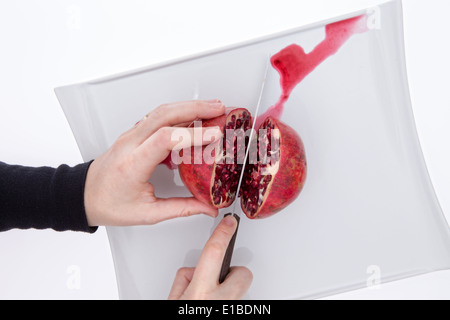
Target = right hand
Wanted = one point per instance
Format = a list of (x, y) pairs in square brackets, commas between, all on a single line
[(202, 282)]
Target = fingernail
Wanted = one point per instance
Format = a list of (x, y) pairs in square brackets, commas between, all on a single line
[(215, 104), (229, 220)]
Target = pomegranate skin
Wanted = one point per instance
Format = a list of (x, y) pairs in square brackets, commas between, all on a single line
[(290, 178), (198, 178)]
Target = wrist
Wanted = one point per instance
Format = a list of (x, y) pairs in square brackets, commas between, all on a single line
[(89, 197)]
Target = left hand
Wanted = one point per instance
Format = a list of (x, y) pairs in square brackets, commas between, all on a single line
[(117, 191)]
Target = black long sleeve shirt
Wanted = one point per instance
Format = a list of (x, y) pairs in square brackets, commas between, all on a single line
[(43, 198)]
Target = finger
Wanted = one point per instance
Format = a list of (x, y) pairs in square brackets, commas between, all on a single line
[(236, 283), (168, 115), (210, 262), (167, 139), (179, 207), (182, 280)]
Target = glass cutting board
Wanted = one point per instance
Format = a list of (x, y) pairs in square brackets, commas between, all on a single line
[(368, 206)]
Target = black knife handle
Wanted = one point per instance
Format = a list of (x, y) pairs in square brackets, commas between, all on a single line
[(229, 253)]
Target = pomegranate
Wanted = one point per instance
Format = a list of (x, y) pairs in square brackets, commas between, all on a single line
[(269, 184)]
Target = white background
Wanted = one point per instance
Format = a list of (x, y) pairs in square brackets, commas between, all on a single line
[(48, 43)]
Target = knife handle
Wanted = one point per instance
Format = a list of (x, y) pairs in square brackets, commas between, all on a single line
[(229, 253)]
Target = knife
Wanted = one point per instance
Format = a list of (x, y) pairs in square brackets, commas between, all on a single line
[(229, 253)]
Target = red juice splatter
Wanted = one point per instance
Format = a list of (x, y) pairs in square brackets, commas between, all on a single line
[(293, 64)]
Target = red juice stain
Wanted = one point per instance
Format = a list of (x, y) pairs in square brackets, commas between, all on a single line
[(293, 64)]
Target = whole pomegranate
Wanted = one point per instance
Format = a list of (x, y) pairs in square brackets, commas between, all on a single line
[(272, 181)]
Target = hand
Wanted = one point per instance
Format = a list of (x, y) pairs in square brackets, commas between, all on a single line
[(117, 191), (202, 282)]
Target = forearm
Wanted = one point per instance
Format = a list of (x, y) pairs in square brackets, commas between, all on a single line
[(43, 198)]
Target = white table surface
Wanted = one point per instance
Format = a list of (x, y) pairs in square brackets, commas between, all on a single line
[(50, 43)]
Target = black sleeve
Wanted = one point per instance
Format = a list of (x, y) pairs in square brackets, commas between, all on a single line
[(43, 198)]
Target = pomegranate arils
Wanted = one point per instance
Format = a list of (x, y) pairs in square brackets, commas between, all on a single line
[(227, 173)]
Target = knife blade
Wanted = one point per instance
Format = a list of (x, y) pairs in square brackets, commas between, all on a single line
[(225, 269)]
